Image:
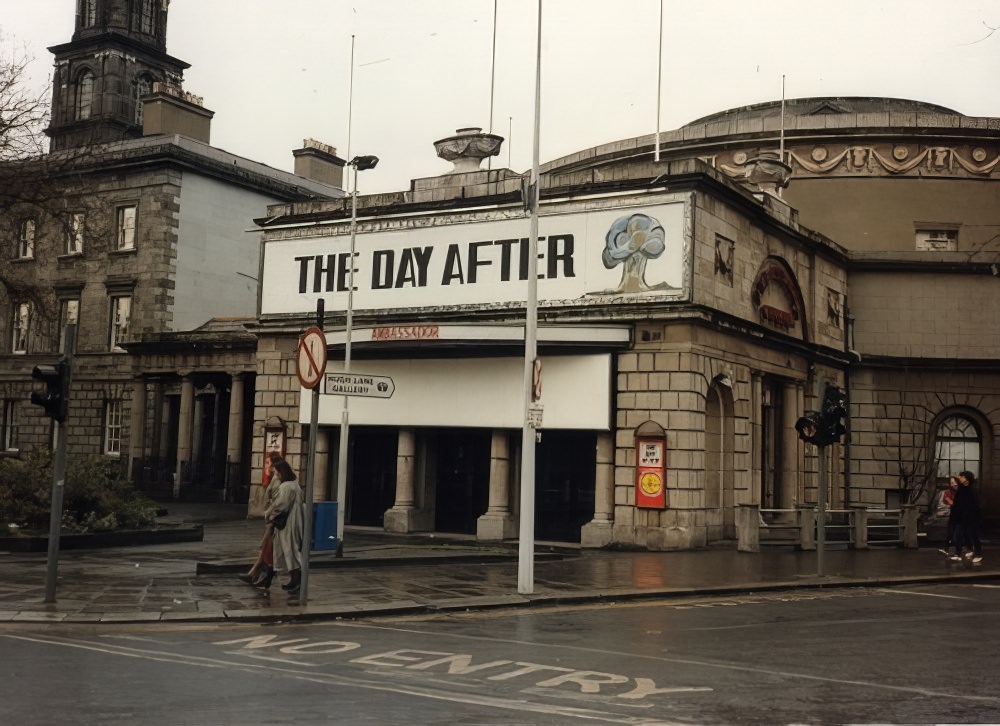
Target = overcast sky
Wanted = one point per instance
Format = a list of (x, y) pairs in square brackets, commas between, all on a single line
[(275, 72)]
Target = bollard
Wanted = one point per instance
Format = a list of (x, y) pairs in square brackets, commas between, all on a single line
[(748, 528)]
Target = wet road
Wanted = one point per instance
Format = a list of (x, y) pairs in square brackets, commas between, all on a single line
[(913, 654)]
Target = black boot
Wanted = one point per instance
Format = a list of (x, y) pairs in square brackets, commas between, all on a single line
[(293, 584), (265, 579)]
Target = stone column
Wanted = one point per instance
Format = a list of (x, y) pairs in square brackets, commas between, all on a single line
[(184, 431), (498, 521), (321, 479), (136, 428), (598, 532), (790, 444), (400, 517), (756, 434), (197, 419), (234, 436)]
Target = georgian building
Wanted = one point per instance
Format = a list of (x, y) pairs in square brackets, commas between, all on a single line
[(133, 228)]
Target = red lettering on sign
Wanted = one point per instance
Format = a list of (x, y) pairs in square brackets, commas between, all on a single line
[(407, 332)]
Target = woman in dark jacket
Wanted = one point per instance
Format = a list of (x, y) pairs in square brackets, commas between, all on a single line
[(966, 511)]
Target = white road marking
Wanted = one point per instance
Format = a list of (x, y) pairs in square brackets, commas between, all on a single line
[(587, 714), (709, 664), (922, 594)]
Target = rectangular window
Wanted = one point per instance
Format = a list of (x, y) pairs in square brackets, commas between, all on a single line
[(22, 326), (8, 436), (74, 235), (121, 311), (937, 240), (26, 239), (69, 314), (126, 228), (113, 428)]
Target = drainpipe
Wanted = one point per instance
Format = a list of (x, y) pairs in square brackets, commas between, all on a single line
[(852, 358)]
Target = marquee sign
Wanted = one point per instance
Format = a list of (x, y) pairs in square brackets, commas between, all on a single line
[(622, 252)]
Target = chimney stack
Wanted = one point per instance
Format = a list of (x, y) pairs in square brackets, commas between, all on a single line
[(170, 110), (319, 162)]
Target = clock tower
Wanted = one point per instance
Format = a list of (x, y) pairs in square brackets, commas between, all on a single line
[(117, 53)]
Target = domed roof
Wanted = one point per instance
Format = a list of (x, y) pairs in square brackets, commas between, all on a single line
[(819, 105)]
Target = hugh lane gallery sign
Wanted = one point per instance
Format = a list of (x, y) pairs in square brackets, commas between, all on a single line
[(624, 252)]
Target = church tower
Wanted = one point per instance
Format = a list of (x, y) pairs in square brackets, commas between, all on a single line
[(117, 53)]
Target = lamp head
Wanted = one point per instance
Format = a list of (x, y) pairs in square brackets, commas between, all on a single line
[(364, 163)]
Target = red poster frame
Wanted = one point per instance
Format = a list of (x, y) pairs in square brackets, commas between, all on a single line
[(274, 445), (650, 473)]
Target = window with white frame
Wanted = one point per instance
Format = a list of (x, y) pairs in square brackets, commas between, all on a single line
[(113, 428), (958, 447), (84, 95), (936, 239), (8, 437), (74, 234), (69, 314), (26, 239), (126, 228), (121, 311), (21, 327)]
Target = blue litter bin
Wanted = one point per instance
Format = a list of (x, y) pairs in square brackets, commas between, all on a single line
[(324, 532)]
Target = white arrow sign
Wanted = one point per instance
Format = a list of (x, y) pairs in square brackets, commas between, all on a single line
[(358, 384)]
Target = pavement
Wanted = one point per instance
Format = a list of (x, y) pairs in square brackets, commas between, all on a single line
[(383, 574)]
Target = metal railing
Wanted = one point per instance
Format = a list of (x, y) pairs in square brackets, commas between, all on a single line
[(859, 527)]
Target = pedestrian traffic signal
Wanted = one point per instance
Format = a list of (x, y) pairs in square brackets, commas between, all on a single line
[(55, 400)]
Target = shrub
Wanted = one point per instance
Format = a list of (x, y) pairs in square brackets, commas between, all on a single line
[(95, 498)]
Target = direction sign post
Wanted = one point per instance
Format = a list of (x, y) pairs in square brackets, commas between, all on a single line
[(358, 384)]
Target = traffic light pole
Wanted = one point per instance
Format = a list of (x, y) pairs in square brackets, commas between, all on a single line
[(58, 480), (821, 512)]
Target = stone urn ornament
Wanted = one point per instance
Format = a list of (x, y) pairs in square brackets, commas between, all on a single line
[(467, 148)]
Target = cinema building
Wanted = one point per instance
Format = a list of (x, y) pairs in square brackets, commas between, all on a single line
[(690, 307), (683, 321)]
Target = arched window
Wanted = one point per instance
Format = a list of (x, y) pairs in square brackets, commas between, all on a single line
[(146, 17), (958, 447), (84, 95), (88, 13)]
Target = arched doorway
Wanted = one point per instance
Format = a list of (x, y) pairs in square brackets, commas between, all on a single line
[(720, 497)]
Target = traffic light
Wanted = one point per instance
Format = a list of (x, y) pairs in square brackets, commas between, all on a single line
[(55, 400), (809, 427), (828, 425), (834, 416)]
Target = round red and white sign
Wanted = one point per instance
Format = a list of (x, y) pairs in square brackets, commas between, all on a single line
[(311, 357)]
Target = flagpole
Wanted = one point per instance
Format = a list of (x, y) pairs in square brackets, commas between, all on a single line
[(659, 84), (526, 530), (493, 76)]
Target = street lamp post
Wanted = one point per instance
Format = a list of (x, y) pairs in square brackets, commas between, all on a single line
[(358, 163)]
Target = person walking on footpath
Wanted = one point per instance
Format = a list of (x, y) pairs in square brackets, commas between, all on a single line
[(948, 502), (262, 572), (285, 513), (969, 515)]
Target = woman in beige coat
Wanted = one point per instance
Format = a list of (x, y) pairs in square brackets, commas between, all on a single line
[(285, 511)]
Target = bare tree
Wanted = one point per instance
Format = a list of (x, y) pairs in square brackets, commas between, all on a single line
[(41, 194), (24, 112)]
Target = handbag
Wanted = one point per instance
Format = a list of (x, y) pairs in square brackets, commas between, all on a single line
[(280, 520)]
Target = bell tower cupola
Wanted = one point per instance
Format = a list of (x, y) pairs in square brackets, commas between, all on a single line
[(117, 53)]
